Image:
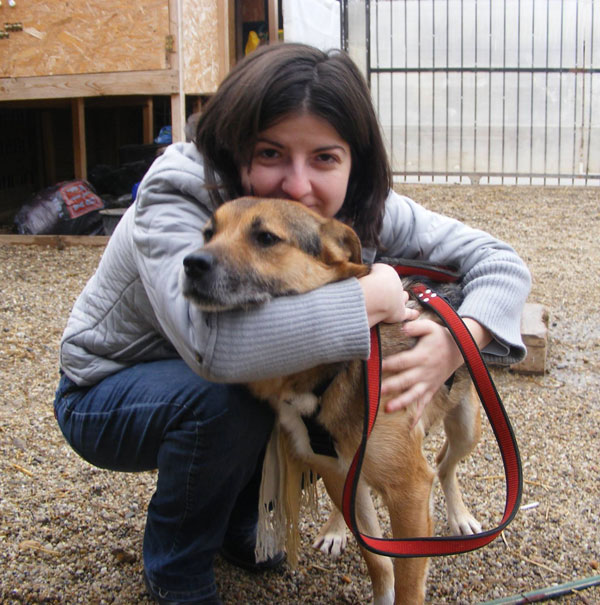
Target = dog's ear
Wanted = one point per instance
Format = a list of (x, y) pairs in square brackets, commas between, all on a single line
[(342, 245)]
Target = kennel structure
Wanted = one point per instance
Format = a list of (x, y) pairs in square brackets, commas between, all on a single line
[(82, 49), (87, 68)]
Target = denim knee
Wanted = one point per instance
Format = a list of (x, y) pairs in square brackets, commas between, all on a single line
[(120, 422)]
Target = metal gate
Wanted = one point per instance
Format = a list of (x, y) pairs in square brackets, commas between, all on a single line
[(484, 91)]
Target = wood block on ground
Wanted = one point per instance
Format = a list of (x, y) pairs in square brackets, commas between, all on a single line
[(534, 330)]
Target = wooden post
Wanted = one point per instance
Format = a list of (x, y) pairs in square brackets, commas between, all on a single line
[(273, 22), (148, 121), (226, 36), (178, 117), (178, 100), (79, 148)]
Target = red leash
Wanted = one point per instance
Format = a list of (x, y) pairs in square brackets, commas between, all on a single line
[(447, 545)]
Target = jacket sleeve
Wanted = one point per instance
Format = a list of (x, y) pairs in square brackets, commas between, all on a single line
[(495, 280), (280, 337)]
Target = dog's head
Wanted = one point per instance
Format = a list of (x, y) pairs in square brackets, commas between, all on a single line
[(256, 249)]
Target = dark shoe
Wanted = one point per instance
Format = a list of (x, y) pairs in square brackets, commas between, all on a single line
[(241, 553), (213, 600)]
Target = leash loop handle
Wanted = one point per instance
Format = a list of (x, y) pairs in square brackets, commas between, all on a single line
[(445, 545)]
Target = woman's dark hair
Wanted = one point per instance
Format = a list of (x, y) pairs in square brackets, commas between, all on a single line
[(276, 81)]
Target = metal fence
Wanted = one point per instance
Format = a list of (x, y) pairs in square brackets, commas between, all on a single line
[(485, 91)]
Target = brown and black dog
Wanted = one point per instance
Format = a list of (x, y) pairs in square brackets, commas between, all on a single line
[(257, 249)]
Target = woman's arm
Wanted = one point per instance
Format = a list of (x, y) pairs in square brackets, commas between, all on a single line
[(495, 281), (495, 285), (284, 336)]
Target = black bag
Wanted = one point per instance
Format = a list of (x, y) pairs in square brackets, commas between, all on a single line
[(67, 208)]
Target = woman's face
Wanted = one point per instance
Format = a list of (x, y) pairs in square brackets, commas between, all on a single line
[(301, 158)]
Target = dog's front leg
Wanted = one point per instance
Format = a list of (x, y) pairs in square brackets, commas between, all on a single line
[(332, 537), (380, 568), (289, 410), (408, 503)]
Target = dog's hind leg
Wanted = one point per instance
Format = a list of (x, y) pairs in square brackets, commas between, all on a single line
[(463, 430)]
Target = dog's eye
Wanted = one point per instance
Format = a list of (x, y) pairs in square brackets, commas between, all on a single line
[(266, 238), (208, 234)]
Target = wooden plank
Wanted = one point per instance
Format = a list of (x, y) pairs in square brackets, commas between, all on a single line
[(79, 145), (104, 101), (163, 82), (534, 331), (55, 241)]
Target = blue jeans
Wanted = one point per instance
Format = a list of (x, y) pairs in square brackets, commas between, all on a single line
[(207, 441)]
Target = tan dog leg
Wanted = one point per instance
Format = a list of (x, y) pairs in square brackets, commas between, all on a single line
[(463, 430), (380, 568), (410, 517), (332, 537)]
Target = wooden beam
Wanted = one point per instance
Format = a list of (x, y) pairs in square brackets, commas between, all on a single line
[(153, 82), (148, 121), (106, 101), (79, 147), (55, 241)]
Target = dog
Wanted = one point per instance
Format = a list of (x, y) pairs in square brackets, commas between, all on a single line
[(258, 249)]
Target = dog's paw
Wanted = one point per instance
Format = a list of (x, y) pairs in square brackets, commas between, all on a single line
[(385, 599), (331, 543), (464, 524)]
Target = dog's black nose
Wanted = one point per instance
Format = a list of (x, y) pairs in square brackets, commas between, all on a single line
[(198, 264)]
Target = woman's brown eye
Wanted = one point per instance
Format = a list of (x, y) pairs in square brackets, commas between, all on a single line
[(268, 154)]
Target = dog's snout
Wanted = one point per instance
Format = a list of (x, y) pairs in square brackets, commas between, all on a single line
[(198, 264)]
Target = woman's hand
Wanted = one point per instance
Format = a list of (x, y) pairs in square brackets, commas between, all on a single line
[(417, 374), (385, 298)]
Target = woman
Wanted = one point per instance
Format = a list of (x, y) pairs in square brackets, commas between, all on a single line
[(150, 382)]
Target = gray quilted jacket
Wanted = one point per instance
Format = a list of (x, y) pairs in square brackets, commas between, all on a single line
[(131, 310)]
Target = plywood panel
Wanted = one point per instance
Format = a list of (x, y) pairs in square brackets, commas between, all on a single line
[(84, 36), (201, 46)]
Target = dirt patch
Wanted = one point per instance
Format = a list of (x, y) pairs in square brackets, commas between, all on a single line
[(71, 533)]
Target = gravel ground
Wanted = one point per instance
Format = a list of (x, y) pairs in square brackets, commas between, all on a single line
[(71, 533)]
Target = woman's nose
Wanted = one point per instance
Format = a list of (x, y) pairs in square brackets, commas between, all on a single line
[(296, 182)]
